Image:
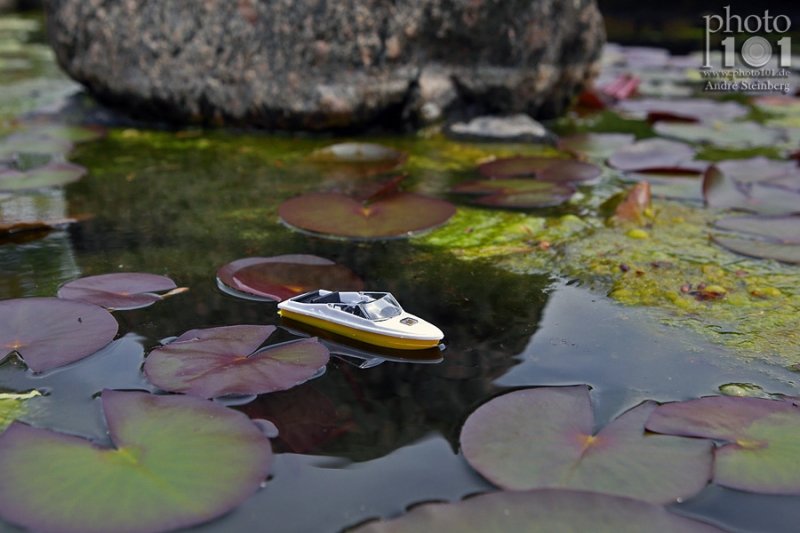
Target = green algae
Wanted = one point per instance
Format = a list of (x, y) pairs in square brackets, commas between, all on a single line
[(13, 406), (683, 279)]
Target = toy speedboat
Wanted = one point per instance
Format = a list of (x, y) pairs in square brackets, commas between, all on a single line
[(371, 317)]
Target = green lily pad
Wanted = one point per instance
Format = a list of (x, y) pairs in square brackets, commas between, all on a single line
[(49, 175), (391, 216), (521, 193), (233, 360), (549, 169), (596, 145), (724, 134), (762, 439), (538, 438), (177, 461), (120, 290), (654, 155), (537, 511), (724, 189), (285, 276), (50, 332)]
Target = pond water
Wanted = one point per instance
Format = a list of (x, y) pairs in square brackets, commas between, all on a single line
[(362, 443)]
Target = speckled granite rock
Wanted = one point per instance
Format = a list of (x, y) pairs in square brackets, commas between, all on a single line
[(328, 64)]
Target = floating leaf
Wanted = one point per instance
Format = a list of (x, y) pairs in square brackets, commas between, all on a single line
[(542, 437), (778, 105), (543, 510), (635, 203), (177, 461), (787, 253), (49, 175), (217, 361), (596, 145), (64, 132), (757, 169), (120, 290), (762, 436), (285, 276), (390, 216), (725, 134), (33, 144), (725, 189), (50, 332), (782, 229), (688, 109), (548, 169), (357, 160), (653, 155), (522, 192)]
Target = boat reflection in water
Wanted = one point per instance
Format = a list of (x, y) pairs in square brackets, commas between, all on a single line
[(359, 353)]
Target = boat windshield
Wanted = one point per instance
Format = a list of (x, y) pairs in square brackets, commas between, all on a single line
[(382, 308)]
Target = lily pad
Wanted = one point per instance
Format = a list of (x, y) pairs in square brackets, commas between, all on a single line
[(543, 510), (724, 134), (177, 461), (391, 216), (727, 190), (51, 332), (49, 175), (357, 160), (782, 229), (538, 438), (120, 290), (232, 360), (520, 193), (71, 133), (284, 276), (762, 439), (26, 143), (687, 109), (596, 145), (786, 253), (548, 169), (653, 155), (671, 186)]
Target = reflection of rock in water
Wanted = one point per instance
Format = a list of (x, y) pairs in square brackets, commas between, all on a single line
[(39, 266)]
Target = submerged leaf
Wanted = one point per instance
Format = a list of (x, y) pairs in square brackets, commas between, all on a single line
[(543, 438), (357, 160), (391, 216), (543, 510), (51, 332), (762, 439), (120, 290), (521, 192), (177, 461), (217, 361), (285, 276)]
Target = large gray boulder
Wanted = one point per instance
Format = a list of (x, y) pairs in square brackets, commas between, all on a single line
[(328, 64)]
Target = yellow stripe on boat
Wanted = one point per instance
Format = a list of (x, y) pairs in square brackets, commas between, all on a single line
[(360, 335)]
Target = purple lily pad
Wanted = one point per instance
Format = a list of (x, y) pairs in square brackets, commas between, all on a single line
[(653, 155), (26, 143), (177, 461), (548, 169), (735, 189), (538, 438), (786, 253), (357, 160), (217, 361), (520, 193), (725, 134), (782, 229), (762, 439), (391, 216), (687, 109), (123, 290), (597, 145), (545, 510), (757, 169), (64, 132), (50, 332), (49, 175)]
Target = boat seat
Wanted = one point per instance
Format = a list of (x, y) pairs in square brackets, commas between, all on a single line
[(332, 298)]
